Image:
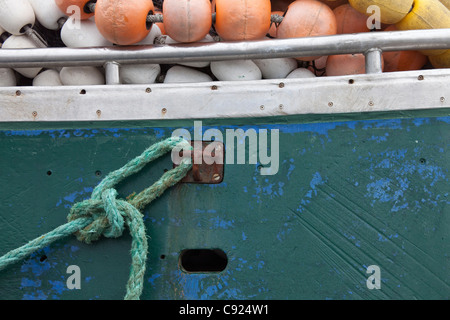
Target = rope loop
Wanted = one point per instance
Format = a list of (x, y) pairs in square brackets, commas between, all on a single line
[(105, 215)]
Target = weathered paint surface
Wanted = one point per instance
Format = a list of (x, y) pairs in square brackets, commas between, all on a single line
[(348, 194)]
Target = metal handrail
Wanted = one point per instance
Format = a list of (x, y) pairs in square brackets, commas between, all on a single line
[(372, 44)]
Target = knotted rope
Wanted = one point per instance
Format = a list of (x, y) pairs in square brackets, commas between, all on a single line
[(104, 214)]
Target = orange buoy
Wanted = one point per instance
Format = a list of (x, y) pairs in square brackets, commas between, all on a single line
[(347, 64), (123, 22), (187, 20), (273, 26), (403, 60), (307, 18), (66, 7), (242, 20), (349, 20)]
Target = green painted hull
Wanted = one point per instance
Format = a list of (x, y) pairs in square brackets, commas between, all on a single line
[(352, 191)]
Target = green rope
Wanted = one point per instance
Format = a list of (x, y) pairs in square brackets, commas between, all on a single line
[(104, 214)]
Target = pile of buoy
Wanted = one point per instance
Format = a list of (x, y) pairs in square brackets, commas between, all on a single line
[(89, 23)]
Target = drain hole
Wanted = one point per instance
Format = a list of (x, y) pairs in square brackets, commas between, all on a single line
[(203, 260)]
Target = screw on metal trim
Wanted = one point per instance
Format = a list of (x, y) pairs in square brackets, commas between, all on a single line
[(35, 114), (442, 99), (330, 104), (420, 77), (281, 107), (371, 103), (214, 87), (99, 112), (148, 90), (262, 107), (164, 110), (281, 85), (18, 93)]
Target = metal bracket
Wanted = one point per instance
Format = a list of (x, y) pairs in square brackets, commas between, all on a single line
[(202, 171)]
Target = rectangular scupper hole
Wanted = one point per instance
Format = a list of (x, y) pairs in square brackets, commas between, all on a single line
[(203, 260)]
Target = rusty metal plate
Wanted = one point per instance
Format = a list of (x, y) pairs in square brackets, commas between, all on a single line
[(208, 165)]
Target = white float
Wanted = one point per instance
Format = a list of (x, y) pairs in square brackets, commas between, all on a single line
[(181, 74), (7, 77), (47, 78), (139, 74), (301, 73), (236, 70), (47, 13), (22, 42), (16, 14), (82, 33), (277, 68), (74, 76)]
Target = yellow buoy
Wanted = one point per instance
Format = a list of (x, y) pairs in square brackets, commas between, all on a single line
[(441, 61), (391, 11), (426, 14)]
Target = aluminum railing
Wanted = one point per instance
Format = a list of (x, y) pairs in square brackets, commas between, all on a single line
[(371, 44)]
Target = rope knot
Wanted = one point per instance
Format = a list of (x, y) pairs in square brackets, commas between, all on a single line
[(107, 216)]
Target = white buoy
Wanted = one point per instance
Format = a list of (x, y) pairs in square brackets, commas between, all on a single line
[(181, 74), (82, 33), (15, 15), (22, 42), (277, 68), (47, 78), (7, 77), (47, 13), (74, 76), (236, 70), (139, 74), (301, 73)]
